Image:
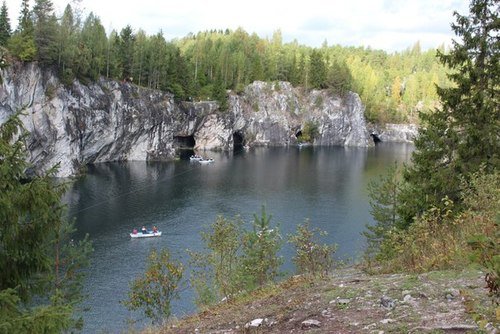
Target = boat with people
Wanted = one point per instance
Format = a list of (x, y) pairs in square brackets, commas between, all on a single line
[(195, 157), (144, 233), (205, 161)]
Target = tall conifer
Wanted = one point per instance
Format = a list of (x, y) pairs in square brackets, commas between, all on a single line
[(22, 43), (38, 260), (318, 70), (25, 22), (45, 32), (5, 29), (463, 134)]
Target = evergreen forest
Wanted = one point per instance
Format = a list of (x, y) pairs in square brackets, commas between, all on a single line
[(203, 66)]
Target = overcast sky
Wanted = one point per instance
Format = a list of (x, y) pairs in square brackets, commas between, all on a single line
[(392, 25)]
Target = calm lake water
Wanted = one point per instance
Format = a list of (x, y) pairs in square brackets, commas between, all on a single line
[(324, 184)]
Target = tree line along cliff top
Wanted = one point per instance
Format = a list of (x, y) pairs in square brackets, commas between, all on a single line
[(202, 66)]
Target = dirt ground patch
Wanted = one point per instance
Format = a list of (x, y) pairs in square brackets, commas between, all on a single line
[(351, 301)]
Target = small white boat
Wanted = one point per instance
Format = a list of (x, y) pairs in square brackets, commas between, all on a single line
[(195, 158), (150, 234), (205, 161)]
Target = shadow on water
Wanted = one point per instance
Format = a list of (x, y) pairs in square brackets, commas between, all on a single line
[(325, 184)]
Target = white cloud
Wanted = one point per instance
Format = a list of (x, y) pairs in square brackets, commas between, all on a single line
[(388, 24)]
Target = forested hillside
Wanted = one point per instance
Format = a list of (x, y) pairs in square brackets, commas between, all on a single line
[(202, 66)]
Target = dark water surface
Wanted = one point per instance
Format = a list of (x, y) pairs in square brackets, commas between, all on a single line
[(325, 184)]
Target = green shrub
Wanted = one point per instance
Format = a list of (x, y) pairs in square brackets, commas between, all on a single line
[(202, 280), (50, 91), (260, 258), (318, 102), (482, 197), (309, 132), (154, 291), (235, 260), (441, 239), (217, 267), (311, 258)]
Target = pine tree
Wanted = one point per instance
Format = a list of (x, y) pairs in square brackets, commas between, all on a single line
[(37, 257), (93, 38), (302, 72), (176, 77), (45, 32), (462, 135), (339, 79), (219, 94), (5, 30), (139, 56), (260, 258), (157, 63), (127, 40), (22, 43), (318, 70), (25, 20), (384, 203), (67, 45), (113, 66), (293, 74)]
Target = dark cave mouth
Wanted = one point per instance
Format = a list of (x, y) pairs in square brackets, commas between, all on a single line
[(376, 138), (238, 141), (184, 142)]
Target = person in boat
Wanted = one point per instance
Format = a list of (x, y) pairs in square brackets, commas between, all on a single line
[(143, 230), (134, 231), (155, 229)]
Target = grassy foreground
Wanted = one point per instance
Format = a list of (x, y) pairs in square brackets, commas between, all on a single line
[(351, 301)]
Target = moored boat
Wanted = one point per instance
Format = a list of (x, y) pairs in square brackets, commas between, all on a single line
[(195, 158), (205, 161)]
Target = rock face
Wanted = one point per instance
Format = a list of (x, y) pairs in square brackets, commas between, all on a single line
[(274, 113), (112, 121), (395, 133)]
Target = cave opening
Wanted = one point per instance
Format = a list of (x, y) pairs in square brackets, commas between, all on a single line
[(298, 135), (186, 153), (184, 142), (376, 138), (184, 146), (238, 141)]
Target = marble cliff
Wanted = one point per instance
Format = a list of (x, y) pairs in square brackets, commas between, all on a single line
[(116, 121)]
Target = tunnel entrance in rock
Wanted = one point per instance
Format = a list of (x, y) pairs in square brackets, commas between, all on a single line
[(184, 142), (184, 146), (238, 141), (376, 138), (298, 135), (185, 154)]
